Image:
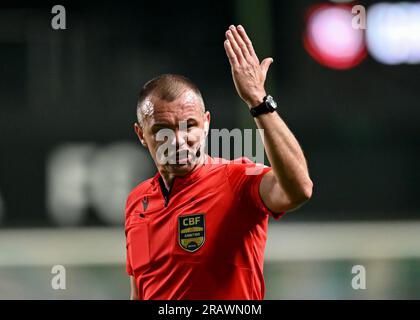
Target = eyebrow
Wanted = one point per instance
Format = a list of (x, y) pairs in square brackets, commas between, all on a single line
[(161, 124), (167, 125)]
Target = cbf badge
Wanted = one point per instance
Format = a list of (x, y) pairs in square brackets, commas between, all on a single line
[(191, 232)]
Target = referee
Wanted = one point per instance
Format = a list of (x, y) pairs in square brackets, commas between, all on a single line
[(198, 228)]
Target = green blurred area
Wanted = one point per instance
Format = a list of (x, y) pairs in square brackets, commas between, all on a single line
[(385, 279)]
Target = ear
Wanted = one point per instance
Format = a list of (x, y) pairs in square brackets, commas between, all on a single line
[(139, 132)]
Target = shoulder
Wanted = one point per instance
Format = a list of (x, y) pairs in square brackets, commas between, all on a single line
[(224, 163), (136, 193), (245, 166), (228, 167), (238, 167)]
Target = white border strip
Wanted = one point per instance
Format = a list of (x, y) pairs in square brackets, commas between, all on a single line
[(286, 242), (355, 240)]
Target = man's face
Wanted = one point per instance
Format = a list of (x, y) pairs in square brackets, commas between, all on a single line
[(173, 132)]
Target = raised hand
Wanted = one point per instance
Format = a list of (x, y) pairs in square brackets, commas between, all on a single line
[(247, 72)]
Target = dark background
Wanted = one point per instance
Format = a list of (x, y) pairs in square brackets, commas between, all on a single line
[(358, 128)]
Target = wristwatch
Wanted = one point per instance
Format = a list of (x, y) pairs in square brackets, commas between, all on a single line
[(268, 105)]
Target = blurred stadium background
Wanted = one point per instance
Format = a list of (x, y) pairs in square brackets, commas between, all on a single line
[(69, 157)]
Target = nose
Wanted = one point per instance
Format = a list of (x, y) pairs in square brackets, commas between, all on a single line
[(181, 138)]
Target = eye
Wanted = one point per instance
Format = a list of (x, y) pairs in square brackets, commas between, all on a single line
[(155, 130)]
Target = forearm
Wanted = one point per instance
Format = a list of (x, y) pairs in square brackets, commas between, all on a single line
[(289, 185), (134, 294), (285, 155)]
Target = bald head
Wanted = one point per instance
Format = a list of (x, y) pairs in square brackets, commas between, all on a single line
[(166, 87)]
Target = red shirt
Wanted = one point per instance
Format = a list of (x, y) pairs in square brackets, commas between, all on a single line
[(205, 241)]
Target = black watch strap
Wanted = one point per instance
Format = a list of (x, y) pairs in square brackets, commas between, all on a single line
[(260, 109), (268, 105)]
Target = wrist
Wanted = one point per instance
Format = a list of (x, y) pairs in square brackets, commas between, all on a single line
[(256, 100), (267, 106)]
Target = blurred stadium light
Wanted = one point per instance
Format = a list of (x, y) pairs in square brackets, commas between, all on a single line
[(80, 176), (393, 32), (113, 172), (67, 173), (330, 38)]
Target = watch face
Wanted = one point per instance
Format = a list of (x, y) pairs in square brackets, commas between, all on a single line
[(270, 101)]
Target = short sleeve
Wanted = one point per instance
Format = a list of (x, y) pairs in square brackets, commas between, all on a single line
[(245, 178)]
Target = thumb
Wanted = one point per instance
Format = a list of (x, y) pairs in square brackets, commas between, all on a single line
[(265, 64)]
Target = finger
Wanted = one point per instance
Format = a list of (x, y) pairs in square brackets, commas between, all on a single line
[(265, 64), (230, 53), (247, 41), (235, 47), (240, 43)]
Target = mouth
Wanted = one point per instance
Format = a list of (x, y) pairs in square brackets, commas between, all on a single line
[(181, 158)]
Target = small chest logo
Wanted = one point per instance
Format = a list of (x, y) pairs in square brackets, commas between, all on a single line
[(191, 232)]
